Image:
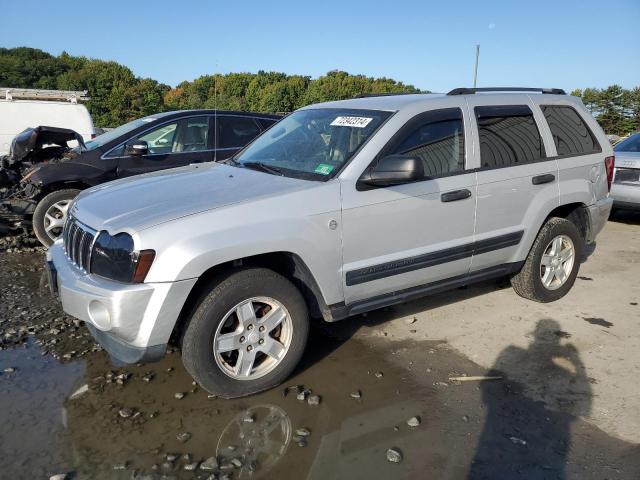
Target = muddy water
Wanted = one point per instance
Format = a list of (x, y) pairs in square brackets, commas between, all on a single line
[(67, 408)]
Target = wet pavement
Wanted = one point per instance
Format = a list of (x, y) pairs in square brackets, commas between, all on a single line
[(65, 408)]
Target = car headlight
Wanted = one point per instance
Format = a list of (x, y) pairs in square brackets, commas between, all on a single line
[(113, 257)]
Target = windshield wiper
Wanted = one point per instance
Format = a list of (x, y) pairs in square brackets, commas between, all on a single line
[(263, 167)]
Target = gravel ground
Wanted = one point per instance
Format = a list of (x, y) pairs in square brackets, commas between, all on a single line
[(399, 393)]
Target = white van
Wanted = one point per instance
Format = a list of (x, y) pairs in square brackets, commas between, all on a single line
[(26, 108)]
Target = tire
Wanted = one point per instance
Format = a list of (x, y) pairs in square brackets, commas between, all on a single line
[(46, 207), (218, 315), (529, 281)]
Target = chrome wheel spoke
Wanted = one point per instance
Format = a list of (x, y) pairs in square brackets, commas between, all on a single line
[(228, 342), (548, 277), (245, 362), (272, 319), (546, 260), (561, 275), (556, 245), (246, 314), (566, 255), (52, 222), (273, 348)]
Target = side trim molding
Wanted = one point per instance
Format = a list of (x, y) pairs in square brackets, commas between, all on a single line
[(340, 311), (404, 265)]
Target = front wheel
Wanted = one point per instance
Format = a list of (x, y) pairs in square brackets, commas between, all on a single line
[(247, 334), (552, 264), (51, 213)]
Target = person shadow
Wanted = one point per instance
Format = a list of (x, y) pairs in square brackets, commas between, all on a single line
[(527, 429)]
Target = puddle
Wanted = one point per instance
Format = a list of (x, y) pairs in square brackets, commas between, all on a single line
[(125, 423)]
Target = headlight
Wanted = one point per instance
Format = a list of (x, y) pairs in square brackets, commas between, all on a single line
[(113, 257)]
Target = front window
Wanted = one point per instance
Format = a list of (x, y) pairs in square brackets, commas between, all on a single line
[(313, 144), (111, 135)]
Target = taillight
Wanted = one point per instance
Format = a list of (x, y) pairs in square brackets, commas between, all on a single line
[(93, 135), (609, 164)]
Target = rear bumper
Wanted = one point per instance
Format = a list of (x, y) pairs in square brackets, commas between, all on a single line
[(133, 322), (598, 215), (625, 196)]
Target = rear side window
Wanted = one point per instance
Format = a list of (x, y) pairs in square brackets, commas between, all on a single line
[(235, 132), (570, 134), (508, 136), (436, 138)]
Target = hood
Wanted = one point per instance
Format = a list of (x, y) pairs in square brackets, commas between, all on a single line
[(135, 203)]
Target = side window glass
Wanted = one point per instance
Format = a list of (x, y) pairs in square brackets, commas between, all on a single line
[(508, 136), (191, 135), (438, 140), (266, 123), (160, 140), (570, 134), (236, 131)]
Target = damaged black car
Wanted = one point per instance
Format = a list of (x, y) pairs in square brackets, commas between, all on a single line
[(45, 171)]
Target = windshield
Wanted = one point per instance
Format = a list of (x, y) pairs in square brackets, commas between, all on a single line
[(631, 144), (312, 144), (112, 135)]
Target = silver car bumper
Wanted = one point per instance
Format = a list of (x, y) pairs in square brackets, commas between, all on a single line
[(598, 215), (625, 195), (133, 322)]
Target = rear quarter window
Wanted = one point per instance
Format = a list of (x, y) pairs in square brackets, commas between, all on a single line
[(570, 133), (508, 136)]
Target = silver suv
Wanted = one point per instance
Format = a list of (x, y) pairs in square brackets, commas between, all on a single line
[(340, 208)]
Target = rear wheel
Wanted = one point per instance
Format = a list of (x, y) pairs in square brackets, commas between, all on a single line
[(51, 213), (552, 264), (247, 334)]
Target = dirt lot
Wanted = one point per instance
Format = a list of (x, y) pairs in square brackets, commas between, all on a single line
[(564, 403)]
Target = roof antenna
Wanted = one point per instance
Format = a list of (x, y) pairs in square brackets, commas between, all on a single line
[(475, 73), (215, 113)]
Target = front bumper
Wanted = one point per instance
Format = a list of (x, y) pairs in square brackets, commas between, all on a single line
[(598, 215), (133, 322), (626, 196)]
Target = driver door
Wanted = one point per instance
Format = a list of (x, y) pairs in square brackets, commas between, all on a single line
[(402, 238), (173, 144)]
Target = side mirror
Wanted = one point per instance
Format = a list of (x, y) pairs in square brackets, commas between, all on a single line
[(136, 148), (393, 170)]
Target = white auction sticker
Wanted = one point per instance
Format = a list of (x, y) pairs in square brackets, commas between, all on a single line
[(358, 122)]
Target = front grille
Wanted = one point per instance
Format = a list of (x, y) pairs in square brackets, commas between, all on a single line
[(78, 242)]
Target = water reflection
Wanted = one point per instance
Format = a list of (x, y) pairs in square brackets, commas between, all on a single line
[(258, 437)]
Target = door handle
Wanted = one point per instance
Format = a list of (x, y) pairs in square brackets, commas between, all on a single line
[(546, 178), (455, 195)]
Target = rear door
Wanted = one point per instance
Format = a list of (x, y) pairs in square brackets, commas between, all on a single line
[(175, 143), (517, 180), (408, 236), (233, 133)]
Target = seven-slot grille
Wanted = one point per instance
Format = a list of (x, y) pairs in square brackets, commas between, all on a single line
[(78, 242)]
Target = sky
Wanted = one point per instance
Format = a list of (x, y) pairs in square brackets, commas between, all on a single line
[(565, 44)]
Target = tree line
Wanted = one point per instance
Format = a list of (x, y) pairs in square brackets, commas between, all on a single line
[(118, 96)]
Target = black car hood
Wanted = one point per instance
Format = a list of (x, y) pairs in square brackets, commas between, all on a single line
[(33, 139)]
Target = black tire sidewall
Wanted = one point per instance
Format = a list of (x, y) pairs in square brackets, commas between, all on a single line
[(565, 227), (43, 206), (197, 343)]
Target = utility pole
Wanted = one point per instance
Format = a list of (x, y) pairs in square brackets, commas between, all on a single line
[(475, 74)]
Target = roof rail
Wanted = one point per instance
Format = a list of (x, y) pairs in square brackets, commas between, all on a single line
[(388, 94), (471, 91), (40, 94)]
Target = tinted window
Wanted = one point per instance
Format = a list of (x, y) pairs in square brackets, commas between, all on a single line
[(266, 122), (508, 136), (570, 134), (185, 135), (631, 144), (236, 131), (437, 138)]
